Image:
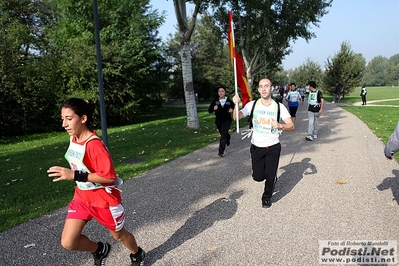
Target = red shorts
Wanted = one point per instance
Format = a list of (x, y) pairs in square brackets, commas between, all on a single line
[(112, 217)]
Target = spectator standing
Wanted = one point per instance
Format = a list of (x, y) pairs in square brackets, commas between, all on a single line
[(315, 109), (363, 93)]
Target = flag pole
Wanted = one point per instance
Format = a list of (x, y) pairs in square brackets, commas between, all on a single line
[(236, 91), (235, 70)]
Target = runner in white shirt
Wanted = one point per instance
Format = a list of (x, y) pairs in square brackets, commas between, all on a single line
[(265, 149)]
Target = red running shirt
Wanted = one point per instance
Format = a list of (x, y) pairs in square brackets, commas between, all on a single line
[(98, 160)]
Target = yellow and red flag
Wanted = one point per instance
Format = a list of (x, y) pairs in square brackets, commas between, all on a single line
[(238, 65)]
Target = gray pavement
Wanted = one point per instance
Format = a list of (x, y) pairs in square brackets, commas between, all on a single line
[(204, 210)]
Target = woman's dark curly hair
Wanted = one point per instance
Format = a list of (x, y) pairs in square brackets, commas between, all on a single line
[(81, 107)]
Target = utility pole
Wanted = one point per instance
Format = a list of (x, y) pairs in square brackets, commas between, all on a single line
[(100, 76)]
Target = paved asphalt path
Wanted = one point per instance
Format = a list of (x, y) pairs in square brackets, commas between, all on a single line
[(204, 210)]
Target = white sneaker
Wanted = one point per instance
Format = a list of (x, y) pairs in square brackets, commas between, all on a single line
[(309, 137), (332, 102), (314, 136)]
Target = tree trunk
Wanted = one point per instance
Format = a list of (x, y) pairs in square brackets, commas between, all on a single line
[(189, 95), (250, 79), (185, 30)]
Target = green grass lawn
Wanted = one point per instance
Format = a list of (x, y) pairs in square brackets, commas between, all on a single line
[(387, 102), (373, 94), (26, 192), (380, 119)]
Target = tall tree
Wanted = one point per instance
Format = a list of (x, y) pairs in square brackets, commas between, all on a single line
[(186, 29), (393, 71), (310, 70), (345, 68), (265, 29), (28, 72), (376, 72), (279, 77), (130, 53), (210, 60)]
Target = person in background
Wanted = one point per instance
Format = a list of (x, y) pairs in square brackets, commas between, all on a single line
[(222, 106), (307, 90), (265, 145), (287, 88), (337, 93), (315, 109), (96, 194), (392, 145), (281, 92), (293, 97), (302, 92), (363, 93)]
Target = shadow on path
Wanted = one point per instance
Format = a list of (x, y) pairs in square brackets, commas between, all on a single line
[(293, 173), (393, 184), (220, 209)]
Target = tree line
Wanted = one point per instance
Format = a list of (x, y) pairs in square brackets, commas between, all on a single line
[(47, 54), (349, 69)]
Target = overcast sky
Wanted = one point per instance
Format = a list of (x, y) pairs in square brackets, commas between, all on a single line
[(370, 27)]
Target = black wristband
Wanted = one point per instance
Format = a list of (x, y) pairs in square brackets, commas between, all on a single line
[(80, 176)]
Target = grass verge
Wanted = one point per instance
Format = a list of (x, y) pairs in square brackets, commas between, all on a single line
[(26, 192), (373, 94), (382, 120)]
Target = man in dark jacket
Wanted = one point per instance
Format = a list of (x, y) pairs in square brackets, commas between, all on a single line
[(337, 93), (222, 106)]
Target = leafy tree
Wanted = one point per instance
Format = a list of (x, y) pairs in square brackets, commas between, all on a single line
[(130, 54), (210, 64), (186, 29), (172, 57), (393, 70), (376, 72), (264, 29), (345, 68), (28, 72), (280, 78), (308, 71), (210, 60)]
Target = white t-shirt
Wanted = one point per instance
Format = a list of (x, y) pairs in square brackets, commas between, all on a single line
[(264, 135), (293, 96)]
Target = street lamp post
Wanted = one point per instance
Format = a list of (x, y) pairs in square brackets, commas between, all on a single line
[(100, 76)]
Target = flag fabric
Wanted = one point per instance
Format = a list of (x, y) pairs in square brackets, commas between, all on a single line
[(242, 81), (238, 65)]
